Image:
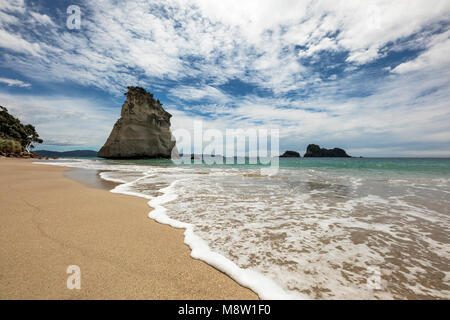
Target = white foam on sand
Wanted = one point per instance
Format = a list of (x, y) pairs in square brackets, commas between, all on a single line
[(265, 287)]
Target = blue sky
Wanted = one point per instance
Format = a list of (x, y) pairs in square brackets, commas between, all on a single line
[(368, 76)]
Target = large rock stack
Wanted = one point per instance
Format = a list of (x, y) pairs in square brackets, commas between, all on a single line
[(143, 130)]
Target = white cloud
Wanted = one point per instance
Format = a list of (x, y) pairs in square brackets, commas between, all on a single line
[(14, 82), (189, 93), (42, 18), (16, 43), (8, 19), (13, 6), (217, 40), (437, 56)]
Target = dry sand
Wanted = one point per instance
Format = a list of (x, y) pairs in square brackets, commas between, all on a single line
[(49, 222)]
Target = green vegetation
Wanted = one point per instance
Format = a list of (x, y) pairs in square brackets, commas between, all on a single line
[(10, 146), (16, 137)]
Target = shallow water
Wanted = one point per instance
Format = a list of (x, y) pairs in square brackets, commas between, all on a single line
[(317, 228)]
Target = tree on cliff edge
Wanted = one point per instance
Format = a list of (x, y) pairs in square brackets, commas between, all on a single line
[(12, 129), (32, 136)]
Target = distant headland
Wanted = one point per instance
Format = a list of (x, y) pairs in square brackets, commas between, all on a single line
[(67, 154)]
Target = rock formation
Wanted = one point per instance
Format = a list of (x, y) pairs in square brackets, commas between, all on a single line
[(314, 151), (290, 154), (143, 130)]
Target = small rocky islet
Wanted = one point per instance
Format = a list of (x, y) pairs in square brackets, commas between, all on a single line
[(315, 151), (291, 154)]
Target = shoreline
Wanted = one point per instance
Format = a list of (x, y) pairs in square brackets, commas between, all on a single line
[(50, 221), (263, 286), (90, 178)]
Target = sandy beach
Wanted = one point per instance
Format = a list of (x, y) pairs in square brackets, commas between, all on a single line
[(49, 222)]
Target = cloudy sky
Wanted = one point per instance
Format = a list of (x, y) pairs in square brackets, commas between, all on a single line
[(372, 77)]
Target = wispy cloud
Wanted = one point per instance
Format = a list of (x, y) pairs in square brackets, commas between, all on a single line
[(16, 43), (42, 18), (14, 82), (257, 41), (437, 56), (205, 92)]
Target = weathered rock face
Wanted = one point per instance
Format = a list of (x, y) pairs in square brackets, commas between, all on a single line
[(143, 130), (290, 154), (314, 151)]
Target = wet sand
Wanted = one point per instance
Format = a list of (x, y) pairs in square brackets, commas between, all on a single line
[(49, 222), (90, 178)]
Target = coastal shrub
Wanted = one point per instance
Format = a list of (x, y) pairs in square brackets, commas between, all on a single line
[(10, 146)]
